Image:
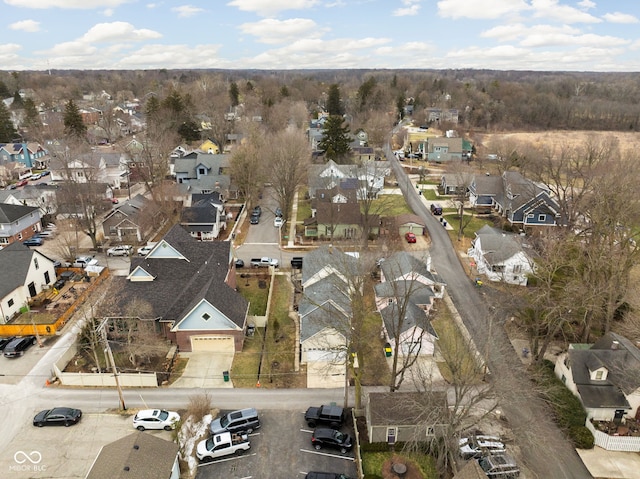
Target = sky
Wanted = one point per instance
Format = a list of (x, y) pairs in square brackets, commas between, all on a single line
[(541, 35)]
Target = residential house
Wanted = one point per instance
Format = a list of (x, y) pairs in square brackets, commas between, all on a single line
[(324, 314), (204, 173), (441, 150), (31, 273), (408, 223), (605, 376), (522, 202), (30, 154), (404, 416), (501, 257), (189, 289), (210, 147), (101, 166), (12, 171), (369, 175), (439, 115), (404, 298), (456, 184), (75, 200), (131, 221), (42, 196), (205, 218), (339, 221), (139, 455), (18, 223)]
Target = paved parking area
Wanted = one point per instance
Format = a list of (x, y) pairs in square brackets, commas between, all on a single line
[(280, 448), (204, 370), (64, 452)]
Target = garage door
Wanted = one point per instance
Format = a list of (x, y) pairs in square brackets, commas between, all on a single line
[(212, 343)]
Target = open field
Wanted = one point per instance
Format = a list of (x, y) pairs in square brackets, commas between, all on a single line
[(486, 143)]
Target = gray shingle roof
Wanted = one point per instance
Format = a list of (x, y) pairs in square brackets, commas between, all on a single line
[(179, 284), (16, 259), (11, 213), (139, 455)]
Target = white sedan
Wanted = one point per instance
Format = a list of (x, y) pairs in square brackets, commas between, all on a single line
[(122, 250), (155, 419)]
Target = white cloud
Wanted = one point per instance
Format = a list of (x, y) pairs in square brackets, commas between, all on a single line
[(587, 40), (487, 10), (70, 49), (268, 8), (587, 4), (552, 10), (618, 17), (185, 11), (26, 26), (9, 48), (108, 12), (411, 8), (70, 4), (152, 5), (273, 31), (173, 56), (117, 31)]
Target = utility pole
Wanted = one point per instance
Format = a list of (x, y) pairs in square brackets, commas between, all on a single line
[(107, 350)]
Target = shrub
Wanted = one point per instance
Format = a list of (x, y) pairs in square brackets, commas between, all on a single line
[(199, 406), (581, 437)]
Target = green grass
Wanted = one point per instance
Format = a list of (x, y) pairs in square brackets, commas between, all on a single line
[(244, 371), (304, 206), (453, 218), (430, 194), (389, 205), (250, 290), (372, 463)]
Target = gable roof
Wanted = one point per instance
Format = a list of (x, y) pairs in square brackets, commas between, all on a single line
[(620, 357), (15, 258), (402, 263), (12, 213), (403, 408), (140, 455), (496, 245), (192, 271)]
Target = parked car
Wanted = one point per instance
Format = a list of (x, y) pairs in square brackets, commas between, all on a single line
[(410, 237), (47, 234), (35, 176), (84, 261), (296, 262), (242, 420), (325, 414), (5, 341), (257, 210), (34, 241), (278, 222), (144, 250), (255, 219), (332, 438), (17, 346), (324, 475), (278, 212), (500, 466), (155, 419), (239, 263), (21, 183), (476, 446), (436, 209), (45, 173), (120, 250), (58, 416)]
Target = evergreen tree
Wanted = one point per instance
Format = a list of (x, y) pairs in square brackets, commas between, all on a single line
[(32, 117), (334, 105), (7, 130), (152, 106), (189, 131), (234, 94), (73, 124), (4, 91), (17, 101), (335, 139)]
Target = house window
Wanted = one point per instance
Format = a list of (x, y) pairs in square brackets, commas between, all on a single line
[(599, 375), (564, 379), (530, 216), (390, 301), (517, 268), (542, 218), (392, 433), (498, 268), (35, 263), (20, 236), (10, 302), (431, 431), (202, 171), (47, 279), (206, 316)]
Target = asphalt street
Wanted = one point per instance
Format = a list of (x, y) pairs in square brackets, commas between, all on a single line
[(544, 448)]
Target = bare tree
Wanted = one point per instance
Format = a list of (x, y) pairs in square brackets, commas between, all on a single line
[(287, 160), (246, 163)]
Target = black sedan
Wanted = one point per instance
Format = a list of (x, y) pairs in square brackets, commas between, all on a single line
[(5, 341), (326, 437), (58, 416)]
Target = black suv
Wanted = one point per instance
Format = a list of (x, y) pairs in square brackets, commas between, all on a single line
[(255, 219), (257, 210), (18, 346), (325, 437), (331, 415)]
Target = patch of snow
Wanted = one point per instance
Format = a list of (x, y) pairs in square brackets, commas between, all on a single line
[(190, 433)]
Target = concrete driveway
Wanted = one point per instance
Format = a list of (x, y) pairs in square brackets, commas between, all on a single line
[(204, 370)]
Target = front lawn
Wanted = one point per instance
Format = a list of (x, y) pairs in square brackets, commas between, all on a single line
[(389, 205), (255, 289)]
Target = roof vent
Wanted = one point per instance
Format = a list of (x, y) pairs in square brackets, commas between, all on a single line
[(136, 447), (615, 344)]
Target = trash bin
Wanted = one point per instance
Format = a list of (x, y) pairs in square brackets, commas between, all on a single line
[(225, 376), (387, 350)]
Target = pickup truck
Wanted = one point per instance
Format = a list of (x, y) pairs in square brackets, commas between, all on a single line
[(330, 415), (222, 444), (264, 262), (84, 261)]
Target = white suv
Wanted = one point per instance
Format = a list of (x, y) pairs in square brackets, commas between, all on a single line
[(476, 446), (155, 419), (122, 250)]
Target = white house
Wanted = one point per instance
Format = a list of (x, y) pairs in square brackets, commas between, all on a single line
[(500, 257), (31, 273)]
